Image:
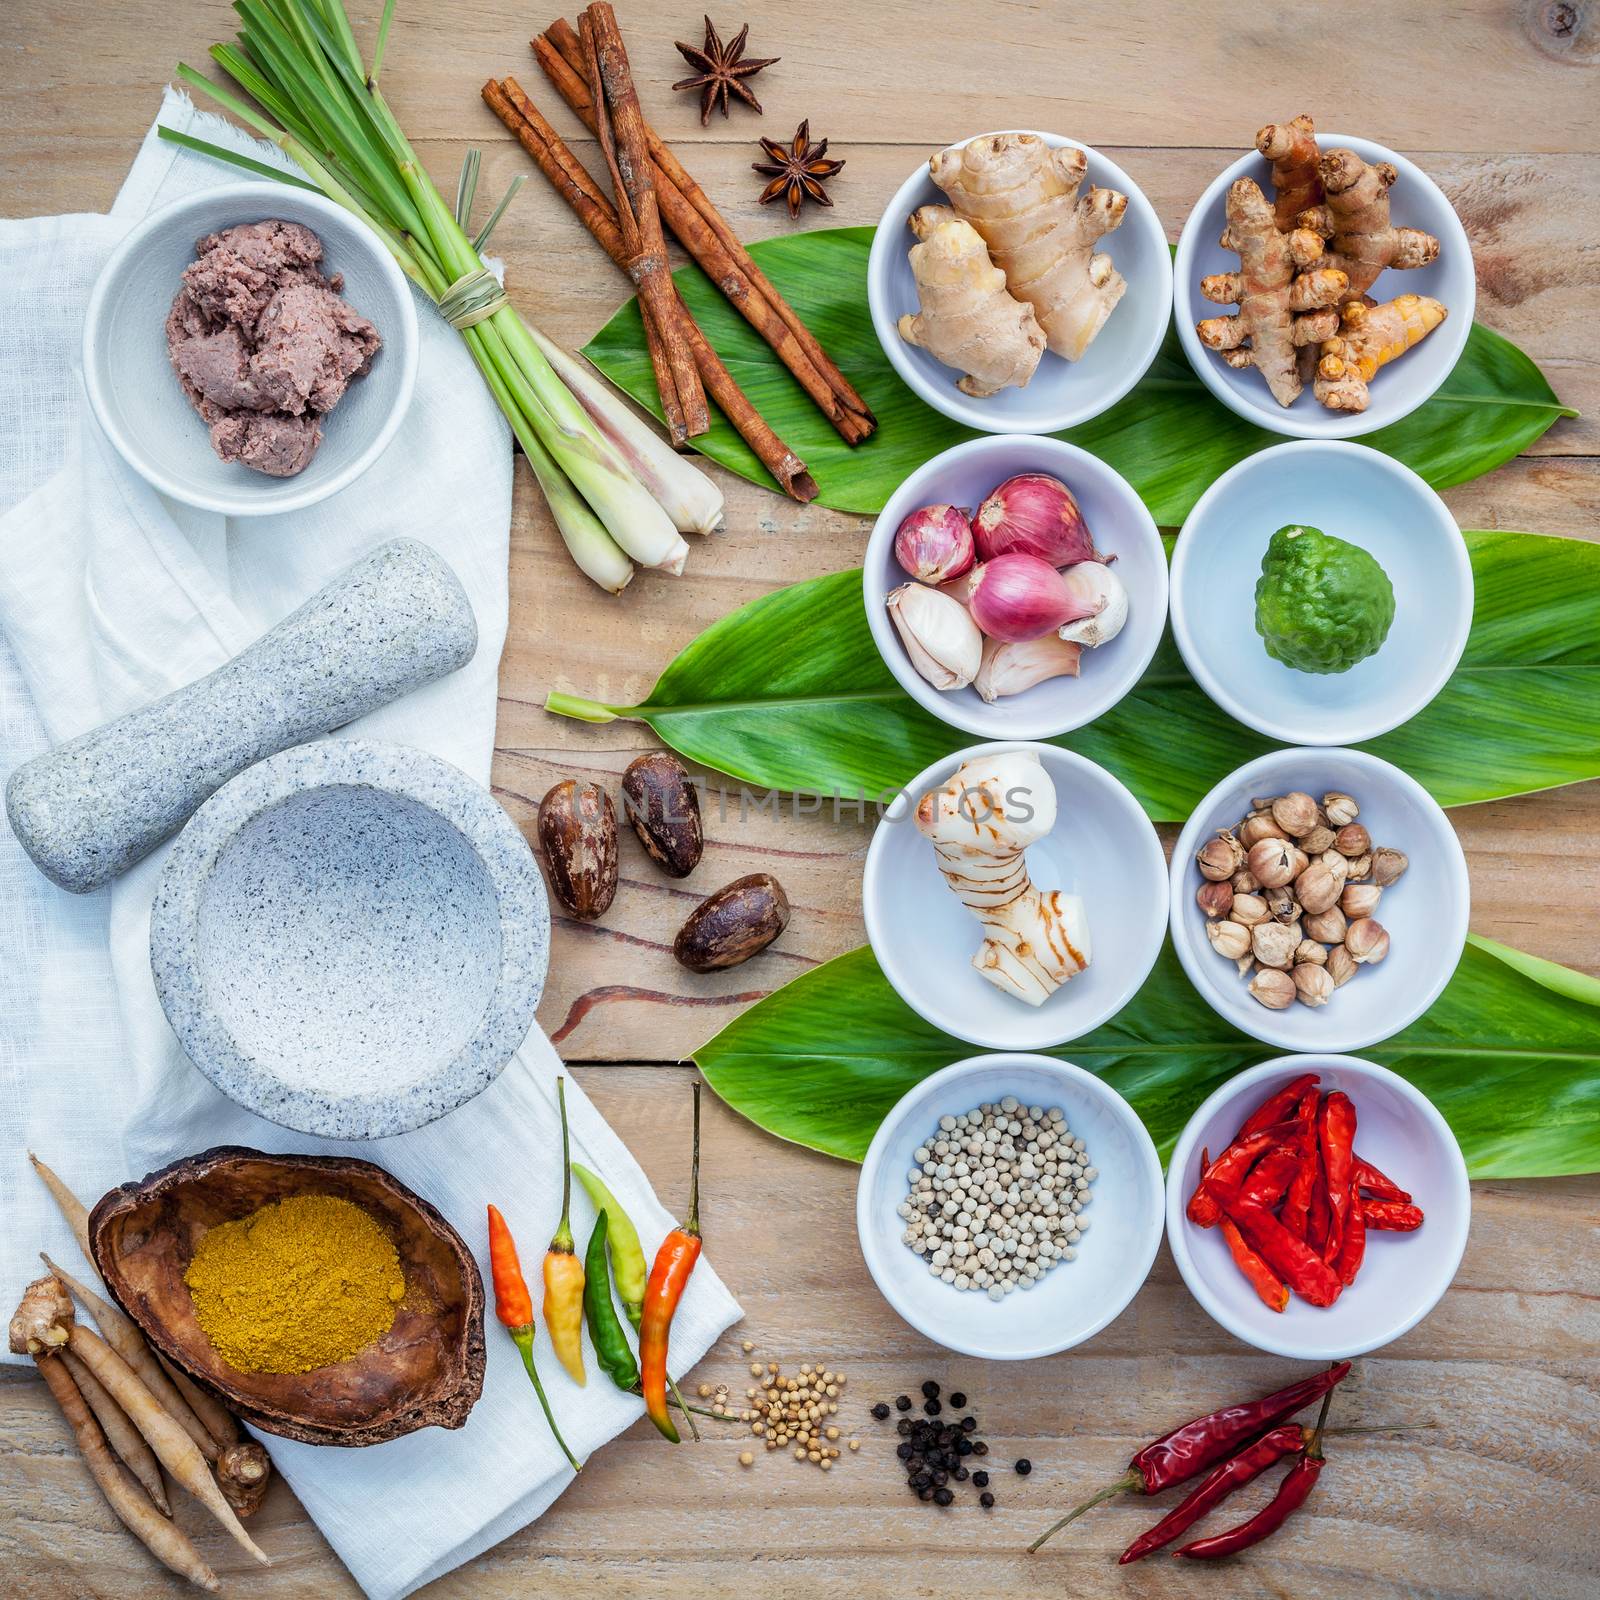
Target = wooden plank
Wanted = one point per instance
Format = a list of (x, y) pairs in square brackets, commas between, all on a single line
[(1498, 1497)]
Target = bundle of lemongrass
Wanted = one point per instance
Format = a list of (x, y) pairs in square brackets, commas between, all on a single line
[(619, 494)]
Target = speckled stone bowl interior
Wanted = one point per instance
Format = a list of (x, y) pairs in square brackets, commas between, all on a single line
[(350, 938)]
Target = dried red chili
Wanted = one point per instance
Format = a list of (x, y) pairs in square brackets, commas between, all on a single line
[(1233, 1474), (1292, 1259), (1278, 1107), (1297, 1203), (1391, 1216), (1274, 1292), (1336, 1134), (1178, 1456), (1229, 1169), (1367, 1176), (1297, 1483)]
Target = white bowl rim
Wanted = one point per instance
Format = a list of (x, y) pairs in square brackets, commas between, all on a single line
[(1281, 419), (1121, 795), (1182, 901), (1454, 1244), (1081, 1079), (949, 400), (948, 708), (1455, 546), (242, 503)]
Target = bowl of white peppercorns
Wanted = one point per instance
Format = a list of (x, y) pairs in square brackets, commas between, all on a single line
[(1010, 1206)]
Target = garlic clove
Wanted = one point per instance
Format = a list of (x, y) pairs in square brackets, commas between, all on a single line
[(1093, 584), (940, 637), (1009, 668)]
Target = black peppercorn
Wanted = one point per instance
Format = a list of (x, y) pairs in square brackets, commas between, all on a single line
[(958, 1400), (1024, 1467), (930, 1390), (926, 1494), (980, 1447), (986, 1500), (981, 1479), (902, 1427), (880, 1411), (903, 1403), (942, 1497), (932, 1407), (941, 1478), (964, 1446), (960, 1474), (968, 1424), (904, 1451)]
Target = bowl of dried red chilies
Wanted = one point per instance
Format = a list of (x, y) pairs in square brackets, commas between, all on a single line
[(1318, 1206)]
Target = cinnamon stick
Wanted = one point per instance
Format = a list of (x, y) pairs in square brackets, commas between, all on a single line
[(569, 179), (620, 126), (703, 232)]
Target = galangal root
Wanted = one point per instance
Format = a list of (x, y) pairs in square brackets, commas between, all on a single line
[(967, 319), (1023, 199), (1371, 336), (980, 823), (1286, 299)]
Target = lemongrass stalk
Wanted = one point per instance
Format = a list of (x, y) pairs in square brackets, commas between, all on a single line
[(682, 490)]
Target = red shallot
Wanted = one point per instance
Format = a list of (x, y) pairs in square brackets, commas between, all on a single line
[(1018, 597), (1036, 515), (934, 544)]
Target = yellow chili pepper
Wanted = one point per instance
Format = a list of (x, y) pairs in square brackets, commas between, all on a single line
[(563, 1271)]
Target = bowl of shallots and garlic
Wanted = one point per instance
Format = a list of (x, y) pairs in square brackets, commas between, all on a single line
[(1015, 586), (1020, 282), (1015, 895)]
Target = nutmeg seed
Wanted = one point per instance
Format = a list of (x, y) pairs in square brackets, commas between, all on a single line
[(738, 921), (660, 803), (578, 838)]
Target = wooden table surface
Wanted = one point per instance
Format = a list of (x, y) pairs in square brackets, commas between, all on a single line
[(1502, 1495)]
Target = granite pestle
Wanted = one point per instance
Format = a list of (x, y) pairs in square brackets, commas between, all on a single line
[(91, 808)]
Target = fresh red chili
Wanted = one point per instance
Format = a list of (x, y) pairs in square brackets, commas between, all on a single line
[(513, 1305), (669, 1277), (1228, 1170), (1277, 1107), (1292, 1259), (1222, 1480), (1178, 1456), (1367, 1176), (1391, 1216), (1336, 1133), (1297, 1483), (1273, 1291)]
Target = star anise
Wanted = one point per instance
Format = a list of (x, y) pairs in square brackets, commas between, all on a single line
[(720, 68), (797, 172)]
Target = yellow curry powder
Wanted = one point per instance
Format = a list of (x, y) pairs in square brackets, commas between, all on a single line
[(303, 1283)]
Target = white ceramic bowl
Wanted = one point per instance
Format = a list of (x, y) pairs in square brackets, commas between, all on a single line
[(136, 396), (1403, 1275), (1103, 848), (1416, 202), (1061, 393), (963, 476), (1425, 912), (1075, 1299), (1355, 494)]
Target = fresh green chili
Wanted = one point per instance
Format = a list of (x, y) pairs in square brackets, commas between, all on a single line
[(606, 1332), (628, 1265)]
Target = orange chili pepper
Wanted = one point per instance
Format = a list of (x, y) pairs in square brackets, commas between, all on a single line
[(563, 1271), (513, 1305), (1274, 1292), (669, 1277)]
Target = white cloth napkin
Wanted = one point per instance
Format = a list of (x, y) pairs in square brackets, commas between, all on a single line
[(110, 596)]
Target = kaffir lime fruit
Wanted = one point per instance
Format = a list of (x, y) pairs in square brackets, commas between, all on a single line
[(1322, 604)]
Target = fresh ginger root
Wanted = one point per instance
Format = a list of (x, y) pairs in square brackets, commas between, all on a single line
[(1291, 147), (1023, 198), (967, 319), (1285, 302), (981, 821), (1371, 337), (1354, 220)]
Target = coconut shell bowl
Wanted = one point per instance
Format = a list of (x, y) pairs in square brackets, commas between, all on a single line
[(426, 1371)]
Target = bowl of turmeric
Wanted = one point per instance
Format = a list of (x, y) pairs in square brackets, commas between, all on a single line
[(317, 1296)]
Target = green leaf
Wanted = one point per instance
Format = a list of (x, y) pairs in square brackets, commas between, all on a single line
[(1169, 437), (1522, 711), (1509, 1053)]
